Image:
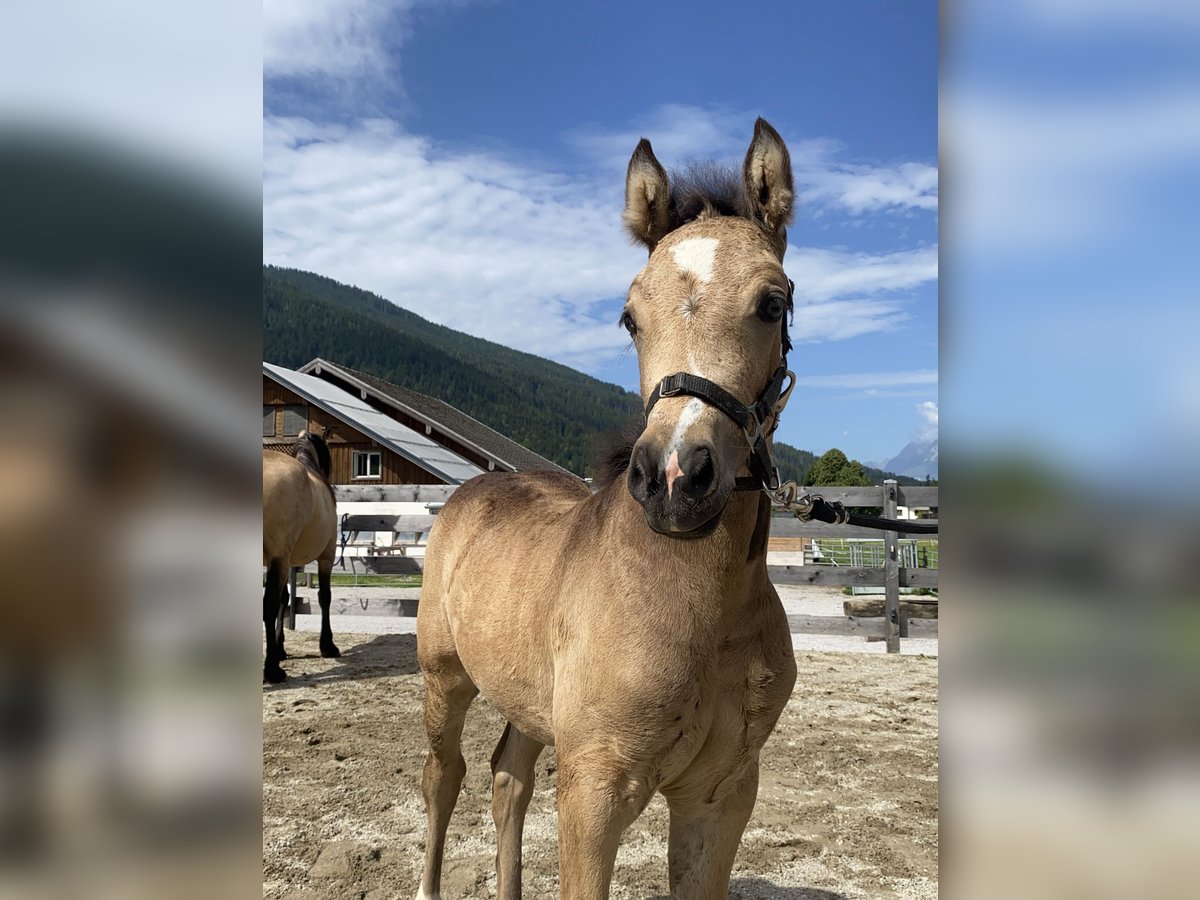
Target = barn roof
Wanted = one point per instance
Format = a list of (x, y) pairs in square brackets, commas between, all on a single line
[(356, 413), (454, 423)]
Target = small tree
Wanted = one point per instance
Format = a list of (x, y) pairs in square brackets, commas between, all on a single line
[(832, 467)]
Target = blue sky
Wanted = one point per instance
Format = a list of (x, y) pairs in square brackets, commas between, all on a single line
[(466, 161), (1071, 131)]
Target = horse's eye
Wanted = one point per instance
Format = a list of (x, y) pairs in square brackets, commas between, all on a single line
[(628, 324), (772, 307)]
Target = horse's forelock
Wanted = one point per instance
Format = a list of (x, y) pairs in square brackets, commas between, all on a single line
[(706, 189)]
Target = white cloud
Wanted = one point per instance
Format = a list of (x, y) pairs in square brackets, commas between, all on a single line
[(860, 189), (928, 411), (487, 244), (1040, 174), (680, 133), (328, 37), (475, 241), (823, 274), (839, 320)]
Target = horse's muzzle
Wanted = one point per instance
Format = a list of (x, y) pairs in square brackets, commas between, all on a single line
[(682, 493)]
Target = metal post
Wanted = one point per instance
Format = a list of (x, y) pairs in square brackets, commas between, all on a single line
[(891, 571)]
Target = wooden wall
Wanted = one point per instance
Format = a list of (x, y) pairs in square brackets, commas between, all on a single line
[(343, 442)]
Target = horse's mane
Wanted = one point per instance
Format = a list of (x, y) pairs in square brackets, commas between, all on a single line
[(613, 450), (707, 189), (313, 452)]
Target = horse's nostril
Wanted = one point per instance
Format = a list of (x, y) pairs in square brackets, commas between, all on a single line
[(641, 482), (702, 474)]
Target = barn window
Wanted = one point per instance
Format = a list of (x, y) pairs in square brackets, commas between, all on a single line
[(295, 420), (367, 464), (268, 421)]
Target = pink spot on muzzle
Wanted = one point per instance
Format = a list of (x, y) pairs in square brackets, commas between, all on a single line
[(673, 472)]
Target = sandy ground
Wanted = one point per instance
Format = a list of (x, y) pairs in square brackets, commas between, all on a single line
[(847, 807)]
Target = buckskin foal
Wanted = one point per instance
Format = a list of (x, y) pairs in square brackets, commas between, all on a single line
[(634, 628)]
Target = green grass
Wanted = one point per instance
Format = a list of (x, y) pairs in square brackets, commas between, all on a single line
[(837, 551), (402, 581)]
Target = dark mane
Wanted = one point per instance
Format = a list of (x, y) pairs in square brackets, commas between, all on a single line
[(313, 452), (613, 450), (707, 189)]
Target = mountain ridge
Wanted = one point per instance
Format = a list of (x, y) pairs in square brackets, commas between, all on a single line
[(548, 407), (917, 459)]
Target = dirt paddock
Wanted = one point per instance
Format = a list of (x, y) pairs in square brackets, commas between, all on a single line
[(847, 807)]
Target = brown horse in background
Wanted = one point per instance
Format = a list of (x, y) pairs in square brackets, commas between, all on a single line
[(299, 526), (634, 628)]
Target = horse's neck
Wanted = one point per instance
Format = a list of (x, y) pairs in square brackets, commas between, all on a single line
[(721, 562)]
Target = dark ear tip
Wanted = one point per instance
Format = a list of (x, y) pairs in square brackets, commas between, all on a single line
[(643, 150), (763, 128)]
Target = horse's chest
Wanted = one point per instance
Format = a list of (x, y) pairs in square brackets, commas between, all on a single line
[(745, 693), (754, 682)]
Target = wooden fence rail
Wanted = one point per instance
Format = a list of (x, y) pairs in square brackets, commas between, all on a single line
[(886, 619)]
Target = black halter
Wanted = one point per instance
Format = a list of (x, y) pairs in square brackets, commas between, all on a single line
[(752, 419)]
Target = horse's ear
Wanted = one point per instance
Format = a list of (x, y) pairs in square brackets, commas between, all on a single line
[(647, 213), (768, 173), (327, 432)]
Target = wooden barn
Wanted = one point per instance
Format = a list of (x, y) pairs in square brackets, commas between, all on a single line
[(383, 434)]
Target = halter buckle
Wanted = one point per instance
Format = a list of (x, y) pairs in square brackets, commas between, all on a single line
[(669, 386)]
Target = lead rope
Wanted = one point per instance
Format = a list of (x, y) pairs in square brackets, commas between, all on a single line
[(807, 507)]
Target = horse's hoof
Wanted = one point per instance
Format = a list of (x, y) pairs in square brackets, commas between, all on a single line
[(329, 651), (274, 675)]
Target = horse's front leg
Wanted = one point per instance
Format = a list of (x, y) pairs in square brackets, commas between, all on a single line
[(704, 838), (324, 598), (597, 800)]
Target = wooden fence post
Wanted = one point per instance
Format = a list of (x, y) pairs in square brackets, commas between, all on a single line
[(891, 571), (290, 619)]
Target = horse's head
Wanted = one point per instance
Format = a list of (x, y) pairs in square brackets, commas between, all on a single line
[(711, 303), (312, 450)]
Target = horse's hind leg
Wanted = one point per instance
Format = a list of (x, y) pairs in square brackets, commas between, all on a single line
[(284, 599), (448, 693), (512, 786), (277, 572), (325, 597)]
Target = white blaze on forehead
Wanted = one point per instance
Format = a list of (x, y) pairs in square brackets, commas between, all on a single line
[(687, 419), (695, 256)]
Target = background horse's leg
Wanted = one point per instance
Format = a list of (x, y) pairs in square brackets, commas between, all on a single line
[(448, 693), (325, 597), (512, 787), (704, 840), (277, 572), (279, 619), (597, 801)]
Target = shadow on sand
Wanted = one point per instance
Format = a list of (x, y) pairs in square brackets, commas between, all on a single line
[(761, 889), (756, 888), (384, 655)]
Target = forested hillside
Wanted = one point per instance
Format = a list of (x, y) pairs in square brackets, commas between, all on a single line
[(550, 408)]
